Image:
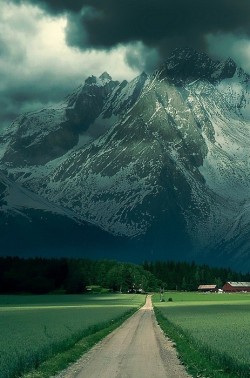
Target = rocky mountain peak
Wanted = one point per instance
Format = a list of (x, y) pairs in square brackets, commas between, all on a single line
[(187, 64), (230, 62), (105, 76), (91, 80), (101, 81), (187, 53), (224, 70)]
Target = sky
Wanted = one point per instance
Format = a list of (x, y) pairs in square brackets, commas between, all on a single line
[(49, 47)]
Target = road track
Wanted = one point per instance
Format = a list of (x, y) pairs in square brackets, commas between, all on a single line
[(137, 349)]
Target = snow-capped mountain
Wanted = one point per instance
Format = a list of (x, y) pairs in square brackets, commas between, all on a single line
[(160, 164)]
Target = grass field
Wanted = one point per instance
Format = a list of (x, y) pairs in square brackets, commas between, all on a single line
[(215, 325), (35, 328)]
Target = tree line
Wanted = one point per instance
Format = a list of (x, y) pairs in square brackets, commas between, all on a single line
[(40, 276), (65, 275), (188, 276)]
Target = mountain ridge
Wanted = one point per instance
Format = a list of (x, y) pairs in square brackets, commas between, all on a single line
[(161, 159)]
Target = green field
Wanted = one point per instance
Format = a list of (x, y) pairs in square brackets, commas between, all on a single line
[(34, 328), (216, 325)]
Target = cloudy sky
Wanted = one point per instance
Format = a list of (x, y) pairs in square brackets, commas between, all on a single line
[(48, 47)]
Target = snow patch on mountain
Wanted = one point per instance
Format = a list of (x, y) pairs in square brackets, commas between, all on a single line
[(18, 198), (236, 91)]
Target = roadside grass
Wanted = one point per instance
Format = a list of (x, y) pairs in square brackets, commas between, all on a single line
[(211, 332), (41, 335), (61, 360)]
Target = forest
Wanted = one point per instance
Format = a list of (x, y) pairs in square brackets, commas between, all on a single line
[(40, 276), (188, 276)]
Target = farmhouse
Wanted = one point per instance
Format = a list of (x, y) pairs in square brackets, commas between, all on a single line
[(207, 288), (236, 287)]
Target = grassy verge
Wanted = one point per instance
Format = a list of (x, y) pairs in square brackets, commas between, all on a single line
[(68, 355), (200, 360)]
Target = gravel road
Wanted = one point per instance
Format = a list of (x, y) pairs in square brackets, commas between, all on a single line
[(137, 349)]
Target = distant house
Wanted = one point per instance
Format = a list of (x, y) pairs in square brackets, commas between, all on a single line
[(236, 287), (207, 288)]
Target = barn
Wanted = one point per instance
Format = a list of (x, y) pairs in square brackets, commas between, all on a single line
[(207, 288), (236, 287)]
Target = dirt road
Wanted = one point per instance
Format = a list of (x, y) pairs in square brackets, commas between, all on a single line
[(137, 349)]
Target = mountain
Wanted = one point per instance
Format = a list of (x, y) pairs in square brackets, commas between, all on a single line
[(157, 168)]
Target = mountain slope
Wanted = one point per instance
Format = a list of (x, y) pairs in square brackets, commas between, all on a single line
[(162, 162)]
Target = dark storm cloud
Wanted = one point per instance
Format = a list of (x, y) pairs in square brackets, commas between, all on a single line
[(37, 68), (149, 29), (55, 6), (161, 24), (26, 95)]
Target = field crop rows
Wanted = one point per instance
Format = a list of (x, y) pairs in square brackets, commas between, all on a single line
[(216, 324), (34, 328)]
